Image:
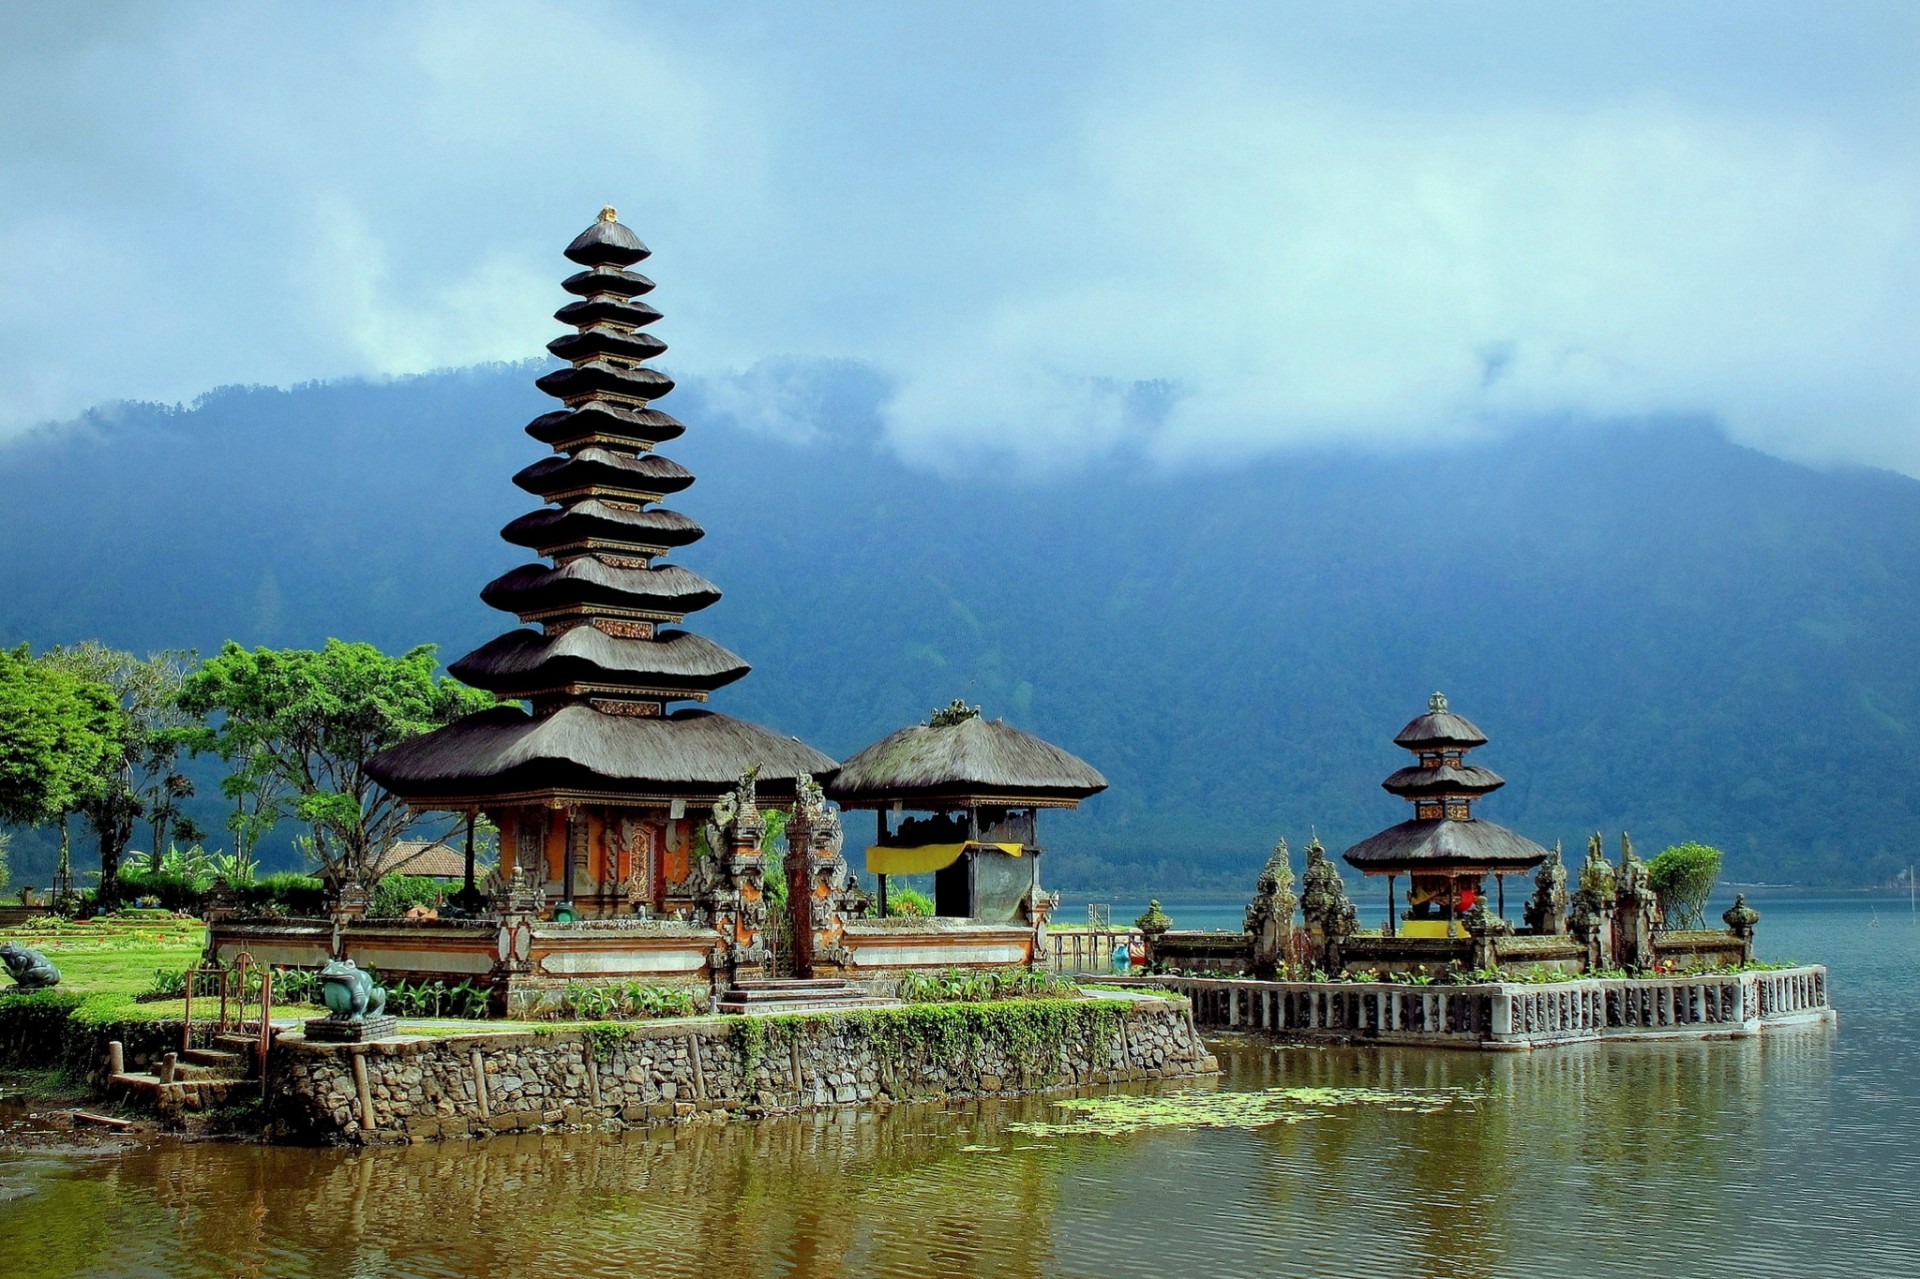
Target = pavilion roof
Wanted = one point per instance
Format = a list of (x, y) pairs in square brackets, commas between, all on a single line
[(506, 754), (1441, 844), (1439, 727), (961, 763)]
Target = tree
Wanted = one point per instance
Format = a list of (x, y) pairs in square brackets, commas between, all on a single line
[(59, 740), (1684, 876), (140, 778), (299, 726), (6, 867)]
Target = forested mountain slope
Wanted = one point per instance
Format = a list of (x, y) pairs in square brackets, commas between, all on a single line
[(1658, 629)]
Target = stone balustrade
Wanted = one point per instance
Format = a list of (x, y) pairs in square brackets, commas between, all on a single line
[(1504, 1015)]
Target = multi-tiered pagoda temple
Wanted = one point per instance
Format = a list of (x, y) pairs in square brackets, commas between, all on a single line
[(597, 784), (1446, 851)]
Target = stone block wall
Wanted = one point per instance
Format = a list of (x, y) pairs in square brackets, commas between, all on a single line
[(709, 1069)]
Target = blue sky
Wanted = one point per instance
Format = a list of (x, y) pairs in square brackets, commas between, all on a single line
[(1195, 232)]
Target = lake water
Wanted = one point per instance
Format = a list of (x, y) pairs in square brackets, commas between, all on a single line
[(1793, 1155)]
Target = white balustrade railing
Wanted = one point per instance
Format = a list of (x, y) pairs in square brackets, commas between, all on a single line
[(1498, 1013)]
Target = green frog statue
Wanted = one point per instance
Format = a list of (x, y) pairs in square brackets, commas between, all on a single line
[(349, 992), (29, 969)]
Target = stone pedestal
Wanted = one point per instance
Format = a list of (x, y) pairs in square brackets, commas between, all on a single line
[(342, 1030)]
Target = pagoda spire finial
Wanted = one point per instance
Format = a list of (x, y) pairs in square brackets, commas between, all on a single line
[(1437, 704), (609, 214)]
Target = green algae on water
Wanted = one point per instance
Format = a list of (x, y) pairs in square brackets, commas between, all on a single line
[(1121, 1114)]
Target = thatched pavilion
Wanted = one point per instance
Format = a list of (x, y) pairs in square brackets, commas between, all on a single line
[(1445, 851), (981, 783)]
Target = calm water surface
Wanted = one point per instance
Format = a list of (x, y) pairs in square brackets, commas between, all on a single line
[(1795, 1155)]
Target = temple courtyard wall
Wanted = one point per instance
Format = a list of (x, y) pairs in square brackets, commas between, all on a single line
[(529, 963), (711, 1069), (1510, 1016)]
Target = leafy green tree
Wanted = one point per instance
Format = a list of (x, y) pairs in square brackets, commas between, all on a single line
[(6, 868), (57, 734), (1684, 876), (59, 744), (299, 726), (141, 777)]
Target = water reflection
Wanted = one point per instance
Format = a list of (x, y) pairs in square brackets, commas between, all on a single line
[(1795, 1154)]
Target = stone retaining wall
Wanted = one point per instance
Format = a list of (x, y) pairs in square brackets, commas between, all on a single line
[(709, 1069)]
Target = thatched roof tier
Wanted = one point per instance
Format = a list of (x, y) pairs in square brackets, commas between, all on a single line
[(606, 243), (505, 755), (1439, 727), (1445, 845), (608, 280), (611, 311), (959, 765), (665, 592), (605, 341), (648, 532), (646, 477), (599, 422), (1444, 779), (526, 663), (597, 377)]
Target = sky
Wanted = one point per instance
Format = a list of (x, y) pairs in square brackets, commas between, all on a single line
[(1060, 232)]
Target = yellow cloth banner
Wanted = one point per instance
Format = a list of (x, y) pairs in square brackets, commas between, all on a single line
[(884, 860)]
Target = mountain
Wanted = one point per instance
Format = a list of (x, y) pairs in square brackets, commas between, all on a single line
[(1659, 630)]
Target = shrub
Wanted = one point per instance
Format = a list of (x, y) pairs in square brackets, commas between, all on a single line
[(291, 892), (395, 895), (974, 986), (431, 998), (172, 889), (1684, 876), (624, 1001), (908, 903)]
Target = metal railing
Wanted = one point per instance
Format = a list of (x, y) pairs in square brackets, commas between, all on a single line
[(234, 981)]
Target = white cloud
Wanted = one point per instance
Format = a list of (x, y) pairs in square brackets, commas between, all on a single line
[(1060, 235), (1308, 273)]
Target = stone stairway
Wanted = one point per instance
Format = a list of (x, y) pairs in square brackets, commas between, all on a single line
[(764, 996), (192, 1082)]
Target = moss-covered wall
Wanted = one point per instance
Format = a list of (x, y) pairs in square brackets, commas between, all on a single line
[(710, 1068), (68, 1031)]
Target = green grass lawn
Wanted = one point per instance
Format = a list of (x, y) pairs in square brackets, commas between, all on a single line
[(114, 956)]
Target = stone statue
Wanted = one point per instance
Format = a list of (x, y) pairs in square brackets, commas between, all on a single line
[(1485, 928), (730, 881), (1592, 917), (349, 993), (1741, 920), (1546, 910), (1269, 918), (1636, 910), (1324, 905), (29, 969)]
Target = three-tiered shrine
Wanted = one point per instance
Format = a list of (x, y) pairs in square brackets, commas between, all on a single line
[(597, 786), (1446, 852)]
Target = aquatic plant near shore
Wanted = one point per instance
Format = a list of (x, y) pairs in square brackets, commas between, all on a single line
[(1123, 1113)]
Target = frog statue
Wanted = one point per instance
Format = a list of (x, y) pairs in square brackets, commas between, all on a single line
[(349, 993), (29, 969)]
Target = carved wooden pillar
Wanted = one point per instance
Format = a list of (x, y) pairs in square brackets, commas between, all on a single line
[(799, 872)]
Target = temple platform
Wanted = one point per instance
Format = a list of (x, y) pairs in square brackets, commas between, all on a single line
[(1509, 1016)]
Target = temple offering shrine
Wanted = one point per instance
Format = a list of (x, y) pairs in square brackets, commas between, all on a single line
[(1445, 852), (597, 787), (980, 785)]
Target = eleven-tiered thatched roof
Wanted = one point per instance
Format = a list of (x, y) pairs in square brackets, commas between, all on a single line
[(603, 665)]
